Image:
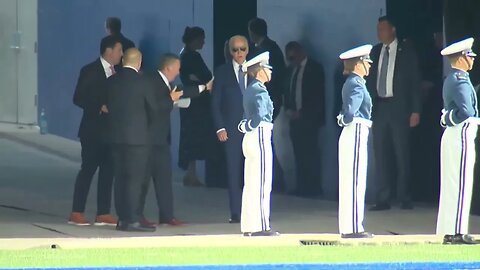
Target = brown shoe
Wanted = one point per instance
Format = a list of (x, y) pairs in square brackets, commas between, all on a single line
[(77, 218), (191, 181), (105, 220), (147, 223), (173, 222)]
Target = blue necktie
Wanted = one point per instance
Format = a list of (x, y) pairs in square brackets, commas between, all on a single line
[(241, 79), (382, 81)]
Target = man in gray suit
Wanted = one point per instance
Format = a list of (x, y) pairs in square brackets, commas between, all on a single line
[(394, 85)]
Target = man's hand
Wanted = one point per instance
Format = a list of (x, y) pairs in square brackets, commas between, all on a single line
[(209, 85), (414, 119), (222, 135), (104, 109), (175, 95)]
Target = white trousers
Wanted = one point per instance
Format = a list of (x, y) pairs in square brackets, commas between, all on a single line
[(352, 182), (457, 159), (258, 152)]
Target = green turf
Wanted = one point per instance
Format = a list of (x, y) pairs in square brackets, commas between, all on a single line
[(236, 255)]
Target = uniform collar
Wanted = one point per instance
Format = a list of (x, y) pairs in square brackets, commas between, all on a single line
[(355, 75), (457, 70)]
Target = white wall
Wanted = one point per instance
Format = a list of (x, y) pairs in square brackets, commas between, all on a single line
[(325, 28)]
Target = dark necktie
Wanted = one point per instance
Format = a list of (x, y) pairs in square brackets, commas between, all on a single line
[(382, 80), (241, 79), (293, 89)]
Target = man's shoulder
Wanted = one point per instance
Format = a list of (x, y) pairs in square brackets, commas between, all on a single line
[(224, 68), (97, 64), (355, 81)]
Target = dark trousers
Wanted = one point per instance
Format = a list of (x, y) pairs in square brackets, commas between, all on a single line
[(391, 142), (235, 166), (95, 154), (130, 167), (304, 136), (160, 170)]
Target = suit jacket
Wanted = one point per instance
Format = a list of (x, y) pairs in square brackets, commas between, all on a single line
[(275, 86), (126, 43), (406, 82), (227, 107), (131, 105), (161, 119), (90, 95), (313, 92)]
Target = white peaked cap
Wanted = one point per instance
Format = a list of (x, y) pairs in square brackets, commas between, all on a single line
[(464, 46), (261, 59), (362, 52)]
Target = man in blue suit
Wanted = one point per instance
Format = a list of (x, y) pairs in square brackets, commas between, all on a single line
[(227, 95)]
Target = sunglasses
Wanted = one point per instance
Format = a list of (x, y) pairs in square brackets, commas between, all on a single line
[(243, 49)]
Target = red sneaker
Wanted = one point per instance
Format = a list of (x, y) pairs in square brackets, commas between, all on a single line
[(77, 218), (105, 220)]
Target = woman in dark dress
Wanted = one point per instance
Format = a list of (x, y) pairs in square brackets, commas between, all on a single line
[(196, 128)]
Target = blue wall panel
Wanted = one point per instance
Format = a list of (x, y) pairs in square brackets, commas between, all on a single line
[(70, 33)]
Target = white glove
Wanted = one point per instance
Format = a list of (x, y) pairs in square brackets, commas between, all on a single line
[(340, 120), (443, 123), (241, 126)]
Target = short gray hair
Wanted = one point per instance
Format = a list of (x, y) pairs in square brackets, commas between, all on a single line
[(167, 59)]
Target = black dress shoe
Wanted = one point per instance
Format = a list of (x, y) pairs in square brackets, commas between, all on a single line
[(407, 206), (234, 219), (459, 239), (380, 207), (134, 227), (262, 233), (356, 235)]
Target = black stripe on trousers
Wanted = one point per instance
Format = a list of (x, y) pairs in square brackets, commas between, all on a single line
[(356, 154), (461, 191), (262, 175)]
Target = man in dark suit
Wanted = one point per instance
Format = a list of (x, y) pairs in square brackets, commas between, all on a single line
[(113, 25), (227, 109), (258, 32), (132, 107), (90, 95), (160, 165), (305, 105), (394, 83)]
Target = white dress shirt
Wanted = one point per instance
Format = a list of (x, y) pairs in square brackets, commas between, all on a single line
[(130, 67), (236, 66), (182, 102), (107, 67), (298, 85), (391, 66)]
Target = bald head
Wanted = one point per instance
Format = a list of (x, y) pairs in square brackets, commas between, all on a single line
[(132, 57)]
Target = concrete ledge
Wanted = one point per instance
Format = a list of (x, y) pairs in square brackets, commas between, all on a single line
[(227, 240)]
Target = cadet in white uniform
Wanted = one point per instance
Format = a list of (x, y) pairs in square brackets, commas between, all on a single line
[(457, 150), (257, 149), (352, 144)]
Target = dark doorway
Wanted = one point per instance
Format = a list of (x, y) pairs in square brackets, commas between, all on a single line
[(420, 24), (230, 18), (462, 21)]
